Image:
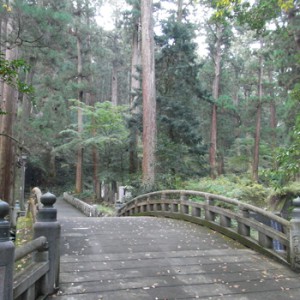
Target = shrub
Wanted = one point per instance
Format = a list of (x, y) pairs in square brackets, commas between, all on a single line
[(232, 186)]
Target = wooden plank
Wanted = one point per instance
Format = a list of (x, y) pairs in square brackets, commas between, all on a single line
[(155, 258)]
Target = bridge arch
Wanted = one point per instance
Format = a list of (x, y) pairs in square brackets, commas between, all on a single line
[(245, 223)]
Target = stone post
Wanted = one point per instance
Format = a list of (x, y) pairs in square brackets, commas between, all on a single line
[(47, 226), (7, 255), (295, 236)]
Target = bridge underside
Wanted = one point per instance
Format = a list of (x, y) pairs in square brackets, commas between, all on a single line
[(155, 258)]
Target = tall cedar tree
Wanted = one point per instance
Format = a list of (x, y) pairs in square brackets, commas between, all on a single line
[(149, 95)]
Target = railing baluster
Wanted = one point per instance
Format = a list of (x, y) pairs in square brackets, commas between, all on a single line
[(225, 221), (242, 228), (196, 212), (7, 253), (295, 236), (209, 215), (144, 208), (165, 206), (175, 207), (157, 206), (149, 205), (265, 241)]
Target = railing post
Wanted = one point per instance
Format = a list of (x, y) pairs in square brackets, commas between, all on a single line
[(209, 215), (164, 206), (7, 255), (184, 209), (295, 236), (225, 221), (242, 228), (48, 227)]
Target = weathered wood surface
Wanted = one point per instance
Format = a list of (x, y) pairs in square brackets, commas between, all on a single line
[(150, 258)]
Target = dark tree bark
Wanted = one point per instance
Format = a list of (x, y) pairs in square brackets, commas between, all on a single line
[(8, 104), (91, 100), (215, 92), (149, 95), (135, 86), (179, 10), (78, 183), (114, 84), (258, 121), (273, 118)]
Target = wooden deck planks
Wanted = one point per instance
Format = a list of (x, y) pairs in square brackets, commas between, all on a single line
[(154, 258)]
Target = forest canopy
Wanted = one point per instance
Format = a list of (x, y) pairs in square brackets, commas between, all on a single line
[(171, 93)]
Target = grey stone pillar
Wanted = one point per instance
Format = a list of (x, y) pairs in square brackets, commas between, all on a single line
[(48, 227), (7, 255), (295, 236)]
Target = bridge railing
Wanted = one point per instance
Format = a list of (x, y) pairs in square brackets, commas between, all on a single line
[(41, 276), (252, 226)]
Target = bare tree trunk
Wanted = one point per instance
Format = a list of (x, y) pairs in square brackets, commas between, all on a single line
[(149, 95), (213, 142), (294, 19), (179, 10), (135, 86), (3, 38), (26, 103), (8, 104), (91, 100), (78, 184), (114, 84), (215, 92), (258, 121), (273, 119)]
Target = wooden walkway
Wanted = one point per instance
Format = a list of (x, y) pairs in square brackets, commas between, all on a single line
[(149, 258)]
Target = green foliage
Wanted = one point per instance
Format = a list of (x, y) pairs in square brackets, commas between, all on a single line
[(232, 186), (105, 129), (9, 73), (24, 234), (287, 158), (106, 210), (287, 163), (288, 192), (180, 148), (226, 6)]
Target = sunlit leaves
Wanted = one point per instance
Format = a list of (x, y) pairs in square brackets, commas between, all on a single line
[(286, 4), (104, 125), (226, 7), (7, 7), (9, 73)]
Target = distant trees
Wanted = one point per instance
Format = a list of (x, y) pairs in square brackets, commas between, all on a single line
[(184, 115), (10, 85)]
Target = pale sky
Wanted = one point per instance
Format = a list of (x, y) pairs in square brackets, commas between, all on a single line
[(106, 21)]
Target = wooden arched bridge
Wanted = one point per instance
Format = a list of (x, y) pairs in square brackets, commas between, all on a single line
[(152, 252)]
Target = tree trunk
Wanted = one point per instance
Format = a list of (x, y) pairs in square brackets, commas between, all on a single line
[(135, 86), (294, 20), (215, 92), (26, 102), (91, 100), (9, 97), (258, 121), (273, 119), (114, 84), (149, 95), (179, 10), (78, 184), (213, 142)]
